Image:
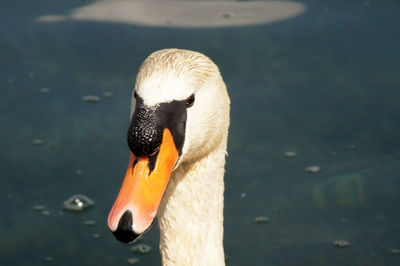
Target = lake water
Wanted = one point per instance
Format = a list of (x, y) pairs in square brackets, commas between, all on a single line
[(324, 84)]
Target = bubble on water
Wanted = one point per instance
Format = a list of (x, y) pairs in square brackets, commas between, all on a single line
[(313, 169), (341, 243), (132, 260), (290, 154), (96, 235), (78, 203), (242, 195), (45, 213), (44, 90), (395, 251), (141, 248), (78, 171), (31, 75), (89, 223), (48, 259), (91, 98), (261, 219), (37, 142), (11, 80), (107, 94), (39, 207)]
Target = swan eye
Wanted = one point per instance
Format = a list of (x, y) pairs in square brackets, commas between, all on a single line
[(190, 101), (135, 94)]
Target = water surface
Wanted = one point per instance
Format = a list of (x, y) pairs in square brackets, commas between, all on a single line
[(324, 84)]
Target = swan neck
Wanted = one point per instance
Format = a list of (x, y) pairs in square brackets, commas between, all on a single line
[(191, 213)]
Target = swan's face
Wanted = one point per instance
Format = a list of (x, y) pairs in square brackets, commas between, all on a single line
[(180, 111)]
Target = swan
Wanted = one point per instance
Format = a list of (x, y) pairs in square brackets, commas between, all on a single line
[(178, 139)]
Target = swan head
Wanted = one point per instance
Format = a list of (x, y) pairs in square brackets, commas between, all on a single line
[(179, 114)]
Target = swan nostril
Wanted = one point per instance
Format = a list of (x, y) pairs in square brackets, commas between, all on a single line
[(124, 232), (155, 151)]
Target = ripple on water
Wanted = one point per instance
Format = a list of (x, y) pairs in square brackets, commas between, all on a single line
[(91, 98), (341, 243), (96, 235), (132, 260), (78, 203), (45, 213), (313, 169), (78, 171), (39, 207), (290, 154), (261, 219), (107, 94), (141, 248), (395, 251), (37, 142), (44, 90), (89, 223)]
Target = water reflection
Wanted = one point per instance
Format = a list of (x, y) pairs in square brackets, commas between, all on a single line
[(182, 14)]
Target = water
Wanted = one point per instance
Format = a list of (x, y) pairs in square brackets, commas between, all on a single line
[(324, 84)]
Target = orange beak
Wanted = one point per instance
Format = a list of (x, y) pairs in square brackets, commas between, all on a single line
[(142, 190)]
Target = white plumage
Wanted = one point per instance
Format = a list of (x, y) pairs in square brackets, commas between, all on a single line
[(191, 213)]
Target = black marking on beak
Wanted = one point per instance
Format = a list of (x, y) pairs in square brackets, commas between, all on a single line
[(147, 126), (144, 134), (124, 232)]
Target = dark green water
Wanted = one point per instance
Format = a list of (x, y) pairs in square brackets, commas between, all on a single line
[(325, 84)]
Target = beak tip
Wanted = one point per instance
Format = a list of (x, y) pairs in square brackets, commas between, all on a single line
[(125, 236), (124, 231)]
